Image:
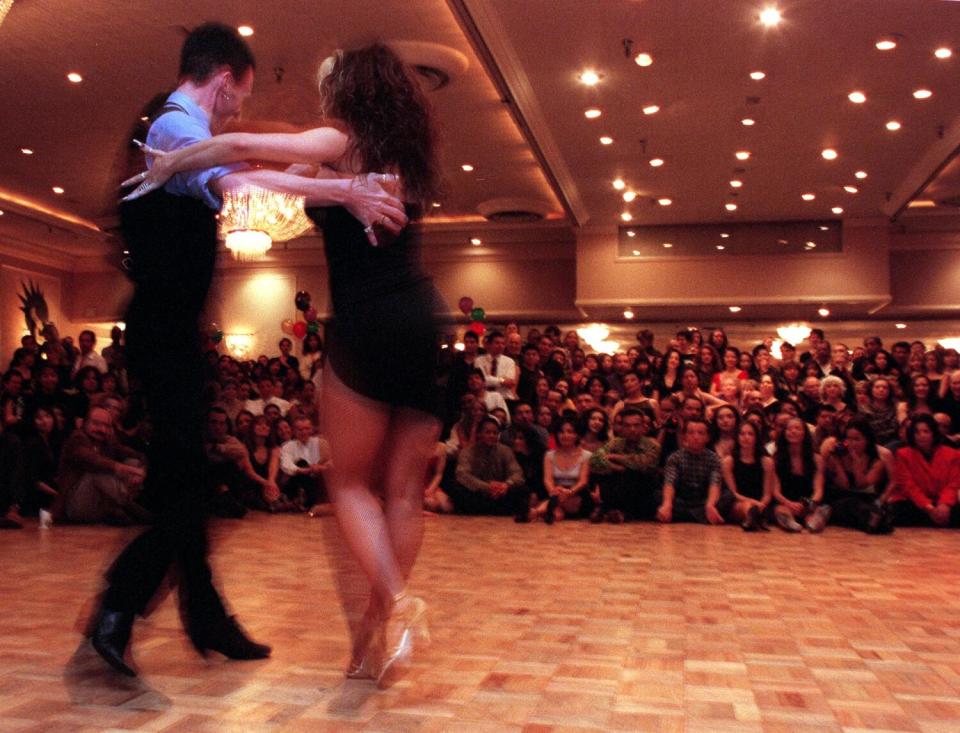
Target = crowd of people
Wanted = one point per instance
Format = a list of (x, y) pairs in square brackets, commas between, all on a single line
[(539, 429)]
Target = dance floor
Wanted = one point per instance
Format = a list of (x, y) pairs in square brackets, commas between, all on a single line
[(536, 629)]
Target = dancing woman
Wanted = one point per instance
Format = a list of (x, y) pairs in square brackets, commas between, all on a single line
[(382, 343)]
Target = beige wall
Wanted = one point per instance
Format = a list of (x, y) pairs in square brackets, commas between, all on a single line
[(12, 322)]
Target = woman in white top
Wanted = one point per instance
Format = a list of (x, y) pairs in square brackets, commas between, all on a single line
[(566, 474)]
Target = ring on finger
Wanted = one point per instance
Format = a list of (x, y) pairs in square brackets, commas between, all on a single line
[(368, 228)]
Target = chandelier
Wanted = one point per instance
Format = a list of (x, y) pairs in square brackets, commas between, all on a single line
[(5, 6), (252, 219), (793, 333), (596, 337)]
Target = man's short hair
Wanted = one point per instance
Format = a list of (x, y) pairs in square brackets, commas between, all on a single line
[(818, 332), (902, 345), (470, 335), (88, 332), (631, 412), (210, 46), (494, 334), (530, 347), (695, 421), (488, 419), (216, 410)]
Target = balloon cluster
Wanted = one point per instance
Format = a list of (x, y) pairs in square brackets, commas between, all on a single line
[(310, 324), (214, 333), (476, 315)]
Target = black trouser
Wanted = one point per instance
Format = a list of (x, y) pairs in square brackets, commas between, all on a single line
[(11, 470), (312, 488), (515, 501), (908, 514), (631, 492), (851, 509)]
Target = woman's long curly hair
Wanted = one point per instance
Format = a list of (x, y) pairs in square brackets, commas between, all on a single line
[(376, 96)]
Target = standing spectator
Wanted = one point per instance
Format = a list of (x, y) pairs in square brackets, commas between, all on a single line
[(287, 360), (88, 356), (114, 354), (499, 370), (530, 374)]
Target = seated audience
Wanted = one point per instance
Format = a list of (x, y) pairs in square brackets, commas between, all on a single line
[(566, 474), (626, 470), (692, 480), (488, 478), (748, 474), (303, 461), (927, 478), (798, 488), (881, 409)]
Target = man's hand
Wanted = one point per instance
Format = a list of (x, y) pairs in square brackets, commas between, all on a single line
[(271, 492), (713, 516), (665, 513), (940, 515), (498, 489)]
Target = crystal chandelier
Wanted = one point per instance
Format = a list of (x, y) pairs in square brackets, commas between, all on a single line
[(252, 218), (596, 337), (794, 333), (5, 6)]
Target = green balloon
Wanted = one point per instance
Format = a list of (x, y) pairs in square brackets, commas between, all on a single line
[(478, 314), (313, 327)]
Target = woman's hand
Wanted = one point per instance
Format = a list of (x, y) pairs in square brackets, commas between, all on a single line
[(372, 201), (152, 179)]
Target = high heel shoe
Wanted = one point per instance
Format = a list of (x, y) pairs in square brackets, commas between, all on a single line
[(406, 624), (366, 649)]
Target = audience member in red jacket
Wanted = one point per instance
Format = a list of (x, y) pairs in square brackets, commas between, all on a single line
[(927, 478)]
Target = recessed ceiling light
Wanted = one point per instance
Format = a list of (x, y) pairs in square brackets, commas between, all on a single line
[(476, 241), (631, 233), (810, 245), (808, 196), (619, 184), (592, 113), (57, 190), (747, 122), (668, 245), (626, 216), (721, 247), (589, 77), (893, 125), (26, 151), (636, 253), (735, 309), (782, 241), (629, 196), (857, 97), (656, 162), (742, 154), (436, 204), (860, 174), (736, 183), (837, 210), (664, 201), (824, 312), (730, 207), (770, 17), (887, 43), (824, 228), (466, 168), (943, 53), (922, 204), (245, 31), (850, 189), (606, 140), (144, 118), (922, 94), (724, 235), (74, 77), (651, 109), (900, 325), (829, 154), (1, 212), (643, 59), (757, 75), (628, 314)]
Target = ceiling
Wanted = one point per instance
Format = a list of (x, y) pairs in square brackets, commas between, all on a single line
[(514, 107)]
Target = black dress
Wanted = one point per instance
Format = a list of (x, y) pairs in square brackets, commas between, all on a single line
[(383, 340)]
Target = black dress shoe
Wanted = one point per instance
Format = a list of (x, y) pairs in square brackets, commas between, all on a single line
[(226, 637), (111, 634)]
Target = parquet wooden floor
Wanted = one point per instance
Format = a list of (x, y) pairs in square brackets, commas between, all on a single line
[(536, 629)]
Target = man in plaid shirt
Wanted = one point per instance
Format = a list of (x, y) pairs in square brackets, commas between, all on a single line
[(691, 482)]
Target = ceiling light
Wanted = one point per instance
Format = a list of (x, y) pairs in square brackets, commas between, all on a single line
[(747, 122), (631, 233), (26, 151), (943, 53), (643, 59), (651, 109), (824, 228), (730, 207), (245, 31), (57, 190), (808, 196), (900, 325), (590, 78), (1, 212), (922, 204), (664, 201), (626, 216), (922, 94), (757, 75), (606, 140), (860, 174), (592, 113), (810, 245), (476, 241), (782, 241), (721, 247), (466, 168), (887, 43), (74, 77), (837, 210), (824, 312), (850, 189), (857, 97), (656, 162), (735, 309), (793, 333), (742, 154), (629, 196), (735, 183), (436, 204), (893, 125), (619, 184), (668, 245), (829, 154), (144, 118), (628, 314), (724, 235), (770, 17)]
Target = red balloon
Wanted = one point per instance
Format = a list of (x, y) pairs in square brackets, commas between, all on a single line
[(478, 328), (311, 314), (299, 329), (466, 305)]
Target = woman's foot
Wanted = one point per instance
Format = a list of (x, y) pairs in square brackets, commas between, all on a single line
[(405, 626), (788, 523), (367, 643)]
